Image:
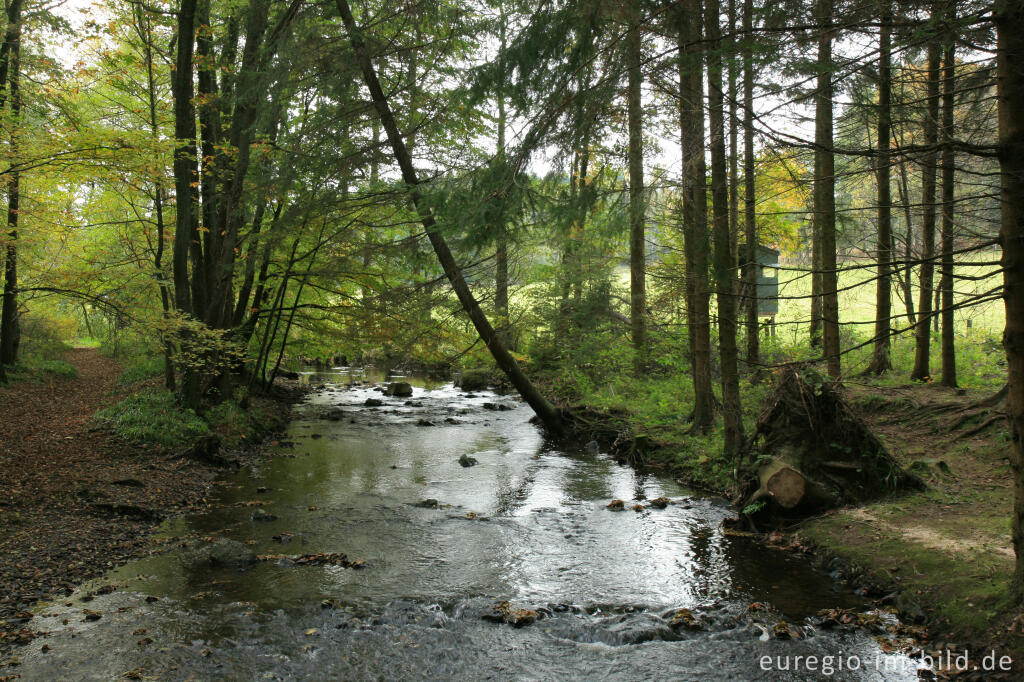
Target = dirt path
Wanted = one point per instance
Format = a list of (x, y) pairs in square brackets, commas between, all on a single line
[(55, 475)]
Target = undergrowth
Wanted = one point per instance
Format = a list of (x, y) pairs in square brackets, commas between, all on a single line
[(152, 416)]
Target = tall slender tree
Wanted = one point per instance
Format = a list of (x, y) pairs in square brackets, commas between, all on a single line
[(824, 192), (545, 411), (930, 125), (637, 201), (695, 233), (750, 190), (948, 195), (725, 280), (881, 361), (501, 249), (1009, 17)]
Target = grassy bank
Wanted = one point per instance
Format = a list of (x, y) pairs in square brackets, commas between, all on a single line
[(147, 413), (946, 550)]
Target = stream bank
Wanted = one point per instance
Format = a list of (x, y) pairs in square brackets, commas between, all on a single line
[(75, 500), (940, 557)]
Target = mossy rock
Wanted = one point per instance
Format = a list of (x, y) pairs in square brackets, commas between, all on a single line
[(475, 380)]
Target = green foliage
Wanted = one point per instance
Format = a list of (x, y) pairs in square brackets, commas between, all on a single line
[(141, 368), (753, 508), (152, 416), (34, 369), (230, 422), (57, 368), (42, 338)]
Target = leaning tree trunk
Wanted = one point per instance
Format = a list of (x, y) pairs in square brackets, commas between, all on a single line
[(880, 361), (825, 195), (725, 283), (1009, 17), (544, 410), (922, 331)]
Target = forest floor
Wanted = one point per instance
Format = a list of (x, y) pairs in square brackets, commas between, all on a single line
[(946, 550), (76, 501)]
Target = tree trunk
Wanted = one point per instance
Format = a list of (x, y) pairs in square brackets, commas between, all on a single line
[(10, 331), (881, 361), (816, 267), (691, 127), (550, 417), (725, 280), (734, 188), (637, 203), (749, 190), (1009, 17), (501, 251), (824, 194), (782, 483), (184, 154), (948, 189), (922, 331), (904, 274), (145, 29)]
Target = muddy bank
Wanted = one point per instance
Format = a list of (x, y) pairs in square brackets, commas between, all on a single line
[(76, 501)]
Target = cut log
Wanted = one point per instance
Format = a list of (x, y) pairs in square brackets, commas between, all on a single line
[(784, 484), (811, 452)]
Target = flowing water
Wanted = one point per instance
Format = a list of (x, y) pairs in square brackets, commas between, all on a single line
[(527, 525)]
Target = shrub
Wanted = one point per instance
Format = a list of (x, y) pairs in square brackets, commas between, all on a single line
[(141, 368), (153, 416)]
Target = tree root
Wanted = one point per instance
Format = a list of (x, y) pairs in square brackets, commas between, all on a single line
[(995, 418)]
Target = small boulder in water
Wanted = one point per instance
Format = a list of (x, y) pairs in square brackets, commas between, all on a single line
[(616, 505), (467, 461), (592, 447), (424, 422), (684, 618), (373, 402), (429, 503), (659, 502), (504, 612), (399, 389), (783, 630), (231, 553), (260, 515), (474, 380)]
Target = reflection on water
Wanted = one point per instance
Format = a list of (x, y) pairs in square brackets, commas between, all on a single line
[(527, 524)]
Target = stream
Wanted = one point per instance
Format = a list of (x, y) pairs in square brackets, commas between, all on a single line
[(528, 525)]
